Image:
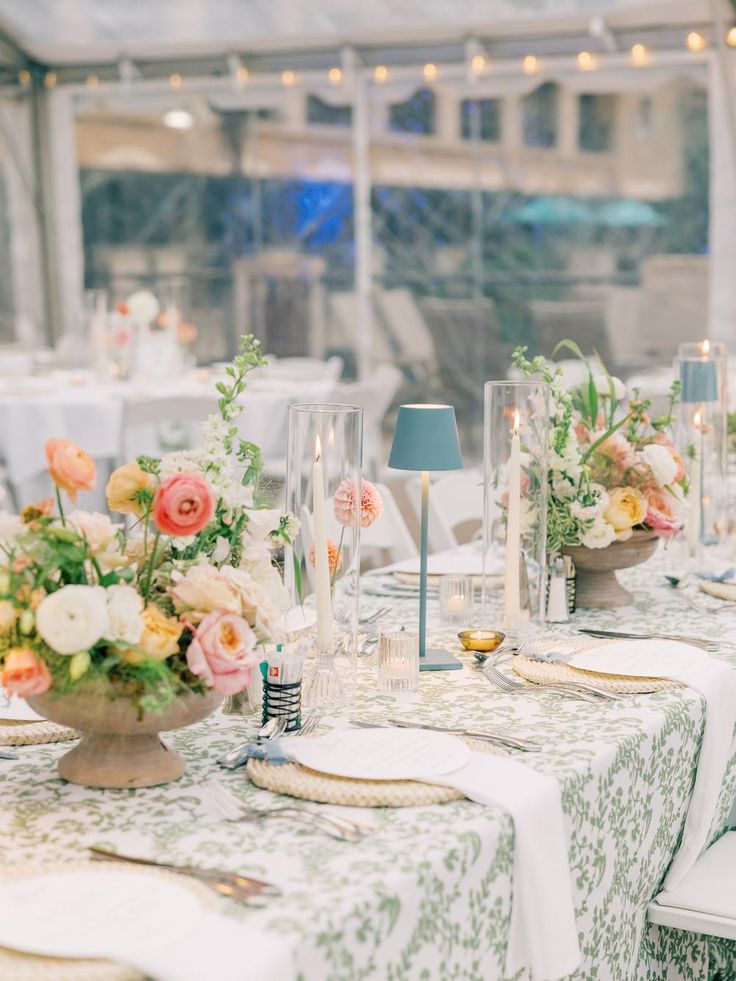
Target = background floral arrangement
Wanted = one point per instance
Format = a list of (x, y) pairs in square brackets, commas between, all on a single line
[(612, 468), (180, 603)]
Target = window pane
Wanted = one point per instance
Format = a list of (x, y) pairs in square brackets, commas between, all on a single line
[(489, 122), (416, 115), (596, 122), (539, 116), (322, 114)]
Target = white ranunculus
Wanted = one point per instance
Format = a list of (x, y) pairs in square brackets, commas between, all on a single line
[(603, 386), (221, 551), (262, 521), (97, 528), (660, 462), (599, 535), (73, 618), (124, 614)]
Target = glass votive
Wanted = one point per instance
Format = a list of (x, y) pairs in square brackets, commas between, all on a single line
[(398, 662), (456, 599)]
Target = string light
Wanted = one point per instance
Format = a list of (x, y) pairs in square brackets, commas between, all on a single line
[(478, 64), (695, 42), (178, 119), (380, 74), (175, 80), (242, 75), (587, 62), (50, 79), (731, 38), (288, 78), (335, 76), (24, 77), (92, 81), (639, 55), (430, 71), (529, 65)]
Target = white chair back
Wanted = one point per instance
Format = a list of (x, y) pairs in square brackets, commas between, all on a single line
[(146, 421), (454, 499)]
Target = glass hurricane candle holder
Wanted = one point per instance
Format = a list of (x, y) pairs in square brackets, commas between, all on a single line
[(702, 440), (456, 599), (516, 427), (398, 662), (323, 492)]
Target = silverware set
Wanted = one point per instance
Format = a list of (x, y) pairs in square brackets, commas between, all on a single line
[(242, 888), (680, 584), (577, 689), (335, 825), (702, 642), (496, 738), (239, 755)]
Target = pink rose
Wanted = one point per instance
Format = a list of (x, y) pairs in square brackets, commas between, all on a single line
[(347, 505), (24, 673), (222, 652), (183, 505), (664, 514)]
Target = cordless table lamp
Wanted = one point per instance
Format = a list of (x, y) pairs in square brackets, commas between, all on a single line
[(426, 439)]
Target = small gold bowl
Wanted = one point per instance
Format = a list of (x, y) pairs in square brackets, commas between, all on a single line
[(481, 640)]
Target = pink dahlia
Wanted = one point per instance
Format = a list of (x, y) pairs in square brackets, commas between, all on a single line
[(347, 505)]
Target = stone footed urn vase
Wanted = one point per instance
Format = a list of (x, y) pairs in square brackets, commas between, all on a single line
[(597, 585), (119, 749)]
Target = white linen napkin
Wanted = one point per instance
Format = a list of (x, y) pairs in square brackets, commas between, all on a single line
[(543, 936), (16, 709), (716, 682), (454, 562)]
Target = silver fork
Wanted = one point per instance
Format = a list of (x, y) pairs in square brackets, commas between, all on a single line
[(342, 828), (275, 727), (588, 693)]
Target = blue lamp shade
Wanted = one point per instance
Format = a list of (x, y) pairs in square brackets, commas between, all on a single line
[(426, 438), (699, 381)]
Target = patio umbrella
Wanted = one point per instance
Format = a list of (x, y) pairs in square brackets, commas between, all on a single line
[(629, 213), (557, 210)]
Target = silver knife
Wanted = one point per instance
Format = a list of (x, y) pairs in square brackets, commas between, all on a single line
[(515, 742), (702, 642)]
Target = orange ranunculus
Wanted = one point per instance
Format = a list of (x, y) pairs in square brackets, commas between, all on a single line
[(24, 673), (159, 640), (124, 488), (71, 469), (184, 504)]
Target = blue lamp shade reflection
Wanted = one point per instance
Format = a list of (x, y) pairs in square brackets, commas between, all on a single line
[(426, 439), (699, 381)]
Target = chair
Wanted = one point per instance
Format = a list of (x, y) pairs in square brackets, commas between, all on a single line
[(705, 900), (455, 498), (374, 395), (301, 369), (582, 320), (174, 418)]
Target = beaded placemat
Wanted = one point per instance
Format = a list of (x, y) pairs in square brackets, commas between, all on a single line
[(17, 966), (15, 733), (295, 780), (721, 590)]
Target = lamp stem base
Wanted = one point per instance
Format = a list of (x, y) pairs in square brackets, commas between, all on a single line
[(439, 660)]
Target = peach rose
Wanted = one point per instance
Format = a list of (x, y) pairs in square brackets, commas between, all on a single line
[(8, 616), (71, 469), (24, 673), (184, 504), (124, 488), (159, 640), (222, 652), (618, 450), (664, 513), (626, 508), (203, 590)]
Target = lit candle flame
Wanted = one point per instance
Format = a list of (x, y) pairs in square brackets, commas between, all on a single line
[(705, 346), (317, 449), (516, 422), (697, 420)]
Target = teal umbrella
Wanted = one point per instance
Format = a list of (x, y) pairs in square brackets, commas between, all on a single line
[(629, 213), (557, 210)]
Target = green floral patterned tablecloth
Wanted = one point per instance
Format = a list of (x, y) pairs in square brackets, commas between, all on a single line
[(429, 895)]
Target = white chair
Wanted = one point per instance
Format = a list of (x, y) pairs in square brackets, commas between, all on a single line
[(306, 369), (374, 395), (172, 420), (454, 499), (705, 900)]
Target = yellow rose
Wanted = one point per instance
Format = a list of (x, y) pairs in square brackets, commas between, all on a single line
[(626, 507), (159, 640), (124, 485)]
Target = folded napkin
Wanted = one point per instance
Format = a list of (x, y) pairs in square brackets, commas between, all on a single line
[(454, 562), (543, 936), (716, 682), (16, 709)]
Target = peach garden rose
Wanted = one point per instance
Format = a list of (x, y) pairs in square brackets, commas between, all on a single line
[(70, 468), (24, 673), (222, 652)]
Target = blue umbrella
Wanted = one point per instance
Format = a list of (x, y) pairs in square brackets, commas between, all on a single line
[(629, 213), (557, 210)]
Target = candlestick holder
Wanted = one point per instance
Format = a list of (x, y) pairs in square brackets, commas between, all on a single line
[(323, 688), (706, 363), (516, 427), (323, 491)]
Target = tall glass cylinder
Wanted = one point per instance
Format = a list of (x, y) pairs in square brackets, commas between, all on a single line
[(702, 440), (516, 427), (323, 491), (710, 352)]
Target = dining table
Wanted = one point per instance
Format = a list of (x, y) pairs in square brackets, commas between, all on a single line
[(429, 893)]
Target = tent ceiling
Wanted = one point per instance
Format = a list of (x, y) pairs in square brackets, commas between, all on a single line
[(84, 31)]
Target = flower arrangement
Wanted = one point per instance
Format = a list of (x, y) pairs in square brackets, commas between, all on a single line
[(347, 510), (612, 468), (180, 603)]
